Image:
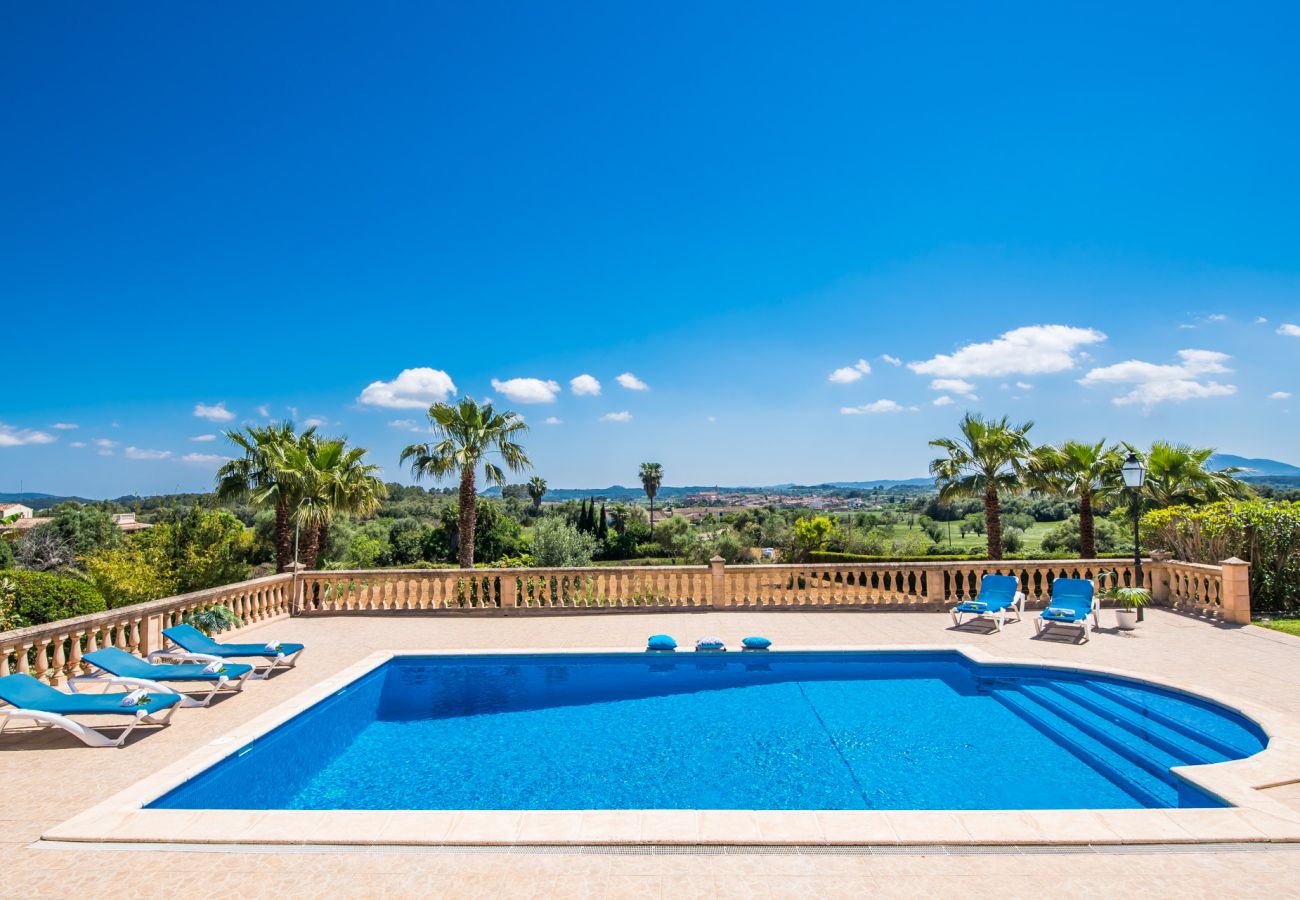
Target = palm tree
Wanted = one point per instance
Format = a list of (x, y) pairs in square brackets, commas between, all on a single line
[(1177, 474), (466, 433), (536, 488), (652, 475), (1085, 473), (332, 480), (985, 461), (256, 477)]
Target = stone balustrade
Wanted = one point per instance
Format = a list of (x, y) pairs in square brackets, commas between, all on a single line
[(53, 652)]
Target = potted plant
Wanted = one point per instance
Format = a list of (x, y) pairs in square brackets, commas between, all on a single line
[(1127, 600)]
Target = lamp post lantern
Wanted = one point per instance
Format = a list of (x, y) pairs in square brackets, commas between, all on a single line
[(1135, 475)]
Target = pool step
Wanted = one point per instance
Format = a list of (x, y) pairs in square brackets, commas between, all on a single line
[(1220, 746), (1116, 768), (1137, 751), (1185, 749)]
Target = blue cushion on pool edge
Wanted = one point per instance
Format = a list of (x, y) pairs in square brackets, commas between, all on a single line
[(661, 642), (756, 643)]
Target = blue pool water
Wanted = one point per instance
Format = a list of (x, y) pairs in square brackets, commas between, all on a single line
[(736, 731)]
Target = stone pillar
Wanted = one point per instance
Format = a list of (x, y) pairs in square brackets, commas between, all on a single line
[(151, 638), (717, 582), (1236, 591), (509, 587), (1157, 575)]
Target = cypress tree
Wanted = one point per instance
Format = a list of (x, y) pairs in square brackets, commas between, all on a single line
[(602, 524)]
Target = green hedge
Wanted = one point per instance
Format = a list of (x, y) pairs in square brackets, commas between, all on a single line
[(39, 598), (828, 557), (1265, 533)]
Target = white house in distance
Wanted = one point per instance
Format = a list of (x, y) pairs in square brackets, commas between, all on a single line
[(15, 509)]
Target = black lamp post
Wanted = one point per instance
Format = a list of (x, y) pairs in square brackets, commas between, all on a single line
[(1135, 475)]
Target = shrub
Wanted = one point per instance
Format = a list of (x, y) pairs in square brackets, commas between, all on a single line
[(556, 543), (37, 598), (1265, 533), (212, 619)]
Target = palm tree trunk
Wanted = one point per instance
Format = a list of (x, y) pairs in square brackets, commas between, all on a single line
[(652, 517), (1087, 528), (310, 544), (283, 538), (468, 519), (993, 522)]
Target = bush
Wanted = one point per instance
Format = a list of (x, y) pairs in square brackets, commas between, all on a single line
[(1265, 533), (212, 619), (6, 554), (37, 597), (556, 544)]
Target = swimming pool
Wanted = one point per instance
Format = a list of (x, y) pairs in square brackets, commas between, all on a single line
[(776, 731)]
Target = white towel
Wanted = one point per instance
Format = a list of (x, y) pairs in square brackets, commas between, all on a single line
[(214, 667), (272, 646), (134, 698)]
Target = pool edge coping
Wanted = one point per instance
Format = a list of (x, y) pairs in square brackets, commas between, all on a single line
[(1252, 817)]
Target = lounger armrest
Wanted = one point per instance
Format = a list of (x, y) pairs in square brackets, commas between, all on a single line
[(1019, 602), (120, 681), (184, 656)]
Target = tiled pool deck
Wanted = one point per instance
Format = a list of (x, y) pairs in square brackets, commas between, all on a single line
[(49, 779)]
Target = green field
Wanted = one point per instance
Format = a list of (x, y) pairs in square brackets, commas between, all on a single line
[(1033, 537)]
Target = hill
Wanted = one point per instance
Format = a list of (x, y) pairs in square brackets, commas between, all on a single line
[(1253, 467)]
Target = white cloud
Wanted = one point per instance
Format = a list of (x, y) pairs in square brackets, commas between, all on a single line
[(585, 386), (104, 452), (632, 383), (65, 426), (1279, 395), (1289, 329), (1153, 383), (105, 443), (527, 390), (1031, 350), (1024, 385), (406, 425), (264, 411), (892, 360), (204, 459), (315, 422), (552, 420), (1260, 320), (1216, 317), (412, 389), (623, 416), (955, 385), (875, 407), (214, 413), (77, 444), (203, 438), (944, 401), (18, 437), (143, 453), (850, 374), (711, 419)]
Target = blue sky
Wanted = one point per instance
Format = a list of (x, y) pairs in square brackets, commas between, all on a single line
[(215, 215)]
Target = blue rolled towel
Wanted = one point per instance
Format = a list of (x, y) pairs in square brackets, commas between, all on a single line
[(710, 644), (661, 642), (756, 643)]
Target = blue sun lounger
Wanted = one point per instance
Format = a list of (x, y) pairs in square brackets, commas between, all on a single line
[(999, 597), (36, 701), (1074, 604), (119, 667), (191, 645)]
